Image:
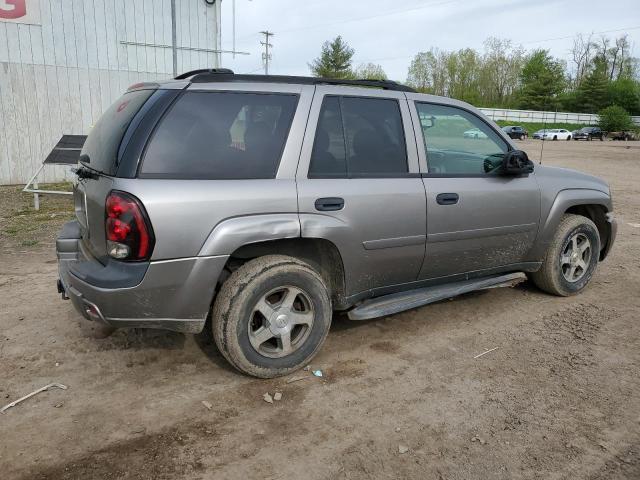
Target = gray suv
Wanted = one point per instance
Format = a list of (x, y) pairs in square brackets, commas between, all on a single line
[(265, 203)]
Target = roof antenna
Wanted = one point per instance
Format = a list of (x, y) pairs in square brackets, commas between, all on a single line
[(544, 131), (544, 125)]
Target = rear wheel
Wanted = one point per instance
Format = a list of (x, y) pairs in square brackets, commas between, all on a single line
[(571, 258), (522, 137), (569, 138), (271, 316), (555, 137)]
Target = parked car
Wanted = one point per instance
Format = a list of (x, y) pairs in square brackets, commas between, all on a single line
[(588, 133), (623, 135), (557, 134), (345, 196), (516, 132), (474, 133), (538, 135)]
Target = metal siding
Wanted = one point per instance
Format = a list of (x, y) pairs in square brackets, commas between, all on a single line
[(58, 77), (4, 43)]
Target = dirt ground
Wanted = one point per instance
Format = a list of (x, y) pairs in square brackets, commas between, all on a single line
[(558, 399)]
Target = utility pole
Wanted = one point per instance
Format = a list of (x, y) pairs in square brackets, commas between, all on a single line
[(266, 56), (174, 46)]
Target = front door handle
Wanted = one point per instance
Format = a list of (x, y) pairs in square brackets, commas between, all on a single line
[(447, 198), (329, 204)]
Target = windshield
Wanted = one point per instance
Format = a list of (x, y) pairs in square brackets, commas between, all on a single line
[(101, 148)]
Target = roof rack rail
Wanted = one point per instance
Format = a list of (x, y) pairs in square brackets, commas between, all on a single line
[(200, 71), (224, 75)]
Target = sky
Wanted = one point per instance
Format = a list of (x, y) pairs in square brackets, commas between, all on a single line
[(391, 33)]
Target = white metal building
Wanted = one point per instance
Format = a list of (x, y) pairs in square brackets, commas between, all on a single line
[(63, 62)]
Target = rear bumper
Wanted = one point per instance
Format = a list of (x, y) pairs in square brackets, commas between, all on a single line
[(170, 294)]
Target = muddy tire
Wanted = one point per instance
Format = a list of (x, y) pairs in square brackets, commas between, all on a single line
[(271, 316), (571, 258)]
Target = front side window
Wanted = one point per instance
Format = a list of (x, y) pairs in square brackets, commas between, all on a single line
[(359, 137), (459, 143), (220, 136)]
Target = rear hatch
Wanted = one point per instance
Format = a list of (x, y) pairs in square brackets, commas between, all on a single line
[(99, 163)]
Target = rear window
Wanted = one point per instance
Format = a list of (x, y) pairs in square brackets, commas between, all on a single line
[(359, 137), (101, 147), (221, 136)]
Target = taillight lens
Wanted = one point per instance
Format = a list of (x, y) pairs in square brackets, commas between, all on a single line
[(129, 234)]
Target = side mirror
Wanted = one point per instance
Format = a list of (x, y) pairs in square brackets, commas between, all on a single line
[(516, 162)]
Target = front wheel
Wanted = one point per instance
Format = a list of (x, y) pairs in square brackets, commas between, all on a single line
[(571, 258), (271, 316)]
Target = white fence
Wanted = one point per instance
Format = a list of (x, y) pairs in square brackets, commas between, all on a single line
[(524, 116)]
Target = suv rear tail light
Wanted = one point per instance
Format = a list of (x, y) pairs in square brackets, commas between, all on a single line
[(129, 233)]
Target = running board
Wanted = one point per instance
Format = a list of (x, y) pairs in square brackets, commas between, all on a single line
[(401, 301)]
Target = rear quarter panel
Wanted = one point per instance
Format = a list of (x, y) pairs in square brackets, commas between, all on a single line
[(184, 212)]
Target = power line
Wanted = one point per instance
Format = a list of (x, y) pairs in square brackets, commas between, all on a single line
[(370, 17), (357, 19), (266, 56), (530, 41), (573, 36)]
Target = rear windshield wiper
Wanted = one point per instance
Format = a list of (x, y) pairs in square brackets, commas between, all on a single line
[(83, 173)]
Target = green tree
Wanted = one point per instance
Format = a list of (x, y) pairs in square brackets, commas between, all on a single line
[(334, 60), (615, 118), (370, 71), (542, 79), (625, 92), (427, 72), (463, 73), (499, 76), (592, 93)]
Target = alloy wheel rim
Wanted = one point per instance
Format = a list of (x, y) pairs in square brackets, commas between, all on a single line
[(281, 321), (575, 258)]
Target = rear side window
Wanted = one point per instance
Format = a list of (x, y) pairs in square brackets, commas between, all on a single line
[(220, 135), (359, 137), (100, 150)]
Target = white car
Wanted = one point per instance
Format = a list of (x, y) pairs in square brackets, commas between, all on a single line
[(474, 133), (557, 134)]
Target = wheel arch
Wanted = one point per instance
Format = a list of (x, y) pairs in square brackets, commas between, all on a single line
[(592, 204), (597, 214), (321, 254)]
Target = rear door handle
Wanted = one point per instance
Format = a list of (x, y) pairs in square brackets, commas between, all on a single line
[(447, 198), (329, 204)]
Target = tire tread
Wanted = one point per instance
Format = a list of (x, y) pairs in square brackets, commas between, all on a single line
[(234, 290), (546, 279)]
